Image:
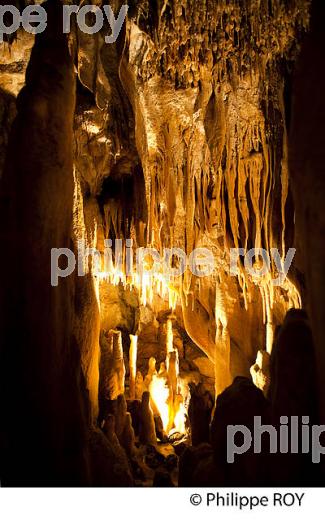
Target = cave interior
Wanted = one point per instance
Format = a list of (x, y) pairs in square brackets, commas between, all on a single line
[(200, 128)]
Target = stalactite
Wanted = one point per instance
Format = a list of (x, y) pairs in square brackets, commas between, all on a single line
[(206, 89)]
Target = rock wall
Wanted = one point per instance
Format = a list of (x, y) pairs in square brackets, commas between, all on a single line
[(42, 388), (308, 178)]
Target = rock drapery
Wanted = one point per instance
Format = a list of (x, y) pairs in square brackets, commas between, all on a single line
[(188, 111)]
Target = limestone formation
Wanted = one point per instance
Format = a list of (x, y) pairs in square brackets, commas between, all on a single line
[(147, 425), (260, 371), (119, 463), (128, 436), (200, 138), (200, 129), (133, 365), (43, 351), (112, 365), (120, 414), (306, 154), (200, 414), (151, 372), (239, 404), (139, 388)]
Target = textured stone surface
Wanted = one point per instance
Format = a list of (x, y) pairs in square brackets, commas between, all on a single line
[(308, 178), (36, 206), (186, 111)]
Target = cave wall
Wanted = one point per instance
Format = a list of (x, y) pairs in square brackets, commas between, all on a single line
[(14, 59), (308, 178), (42, 388)]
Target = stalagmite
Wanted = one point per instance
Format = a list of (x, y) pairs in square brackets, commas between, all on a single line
[(128, 436), (199, 412), (120, 415), (118, 363), (109, 431), (112, 364), (147, 425), (172, 363), (160, 395), (260, 371), (179, 414), (139, 385), (162, 370), (169, 336), (222, 371), (133, 364), (151, 371)]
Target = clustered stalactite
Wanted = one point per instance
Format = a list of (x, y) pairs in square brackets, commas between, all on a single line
[(190, 120), (215, 175), (233, 38)]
